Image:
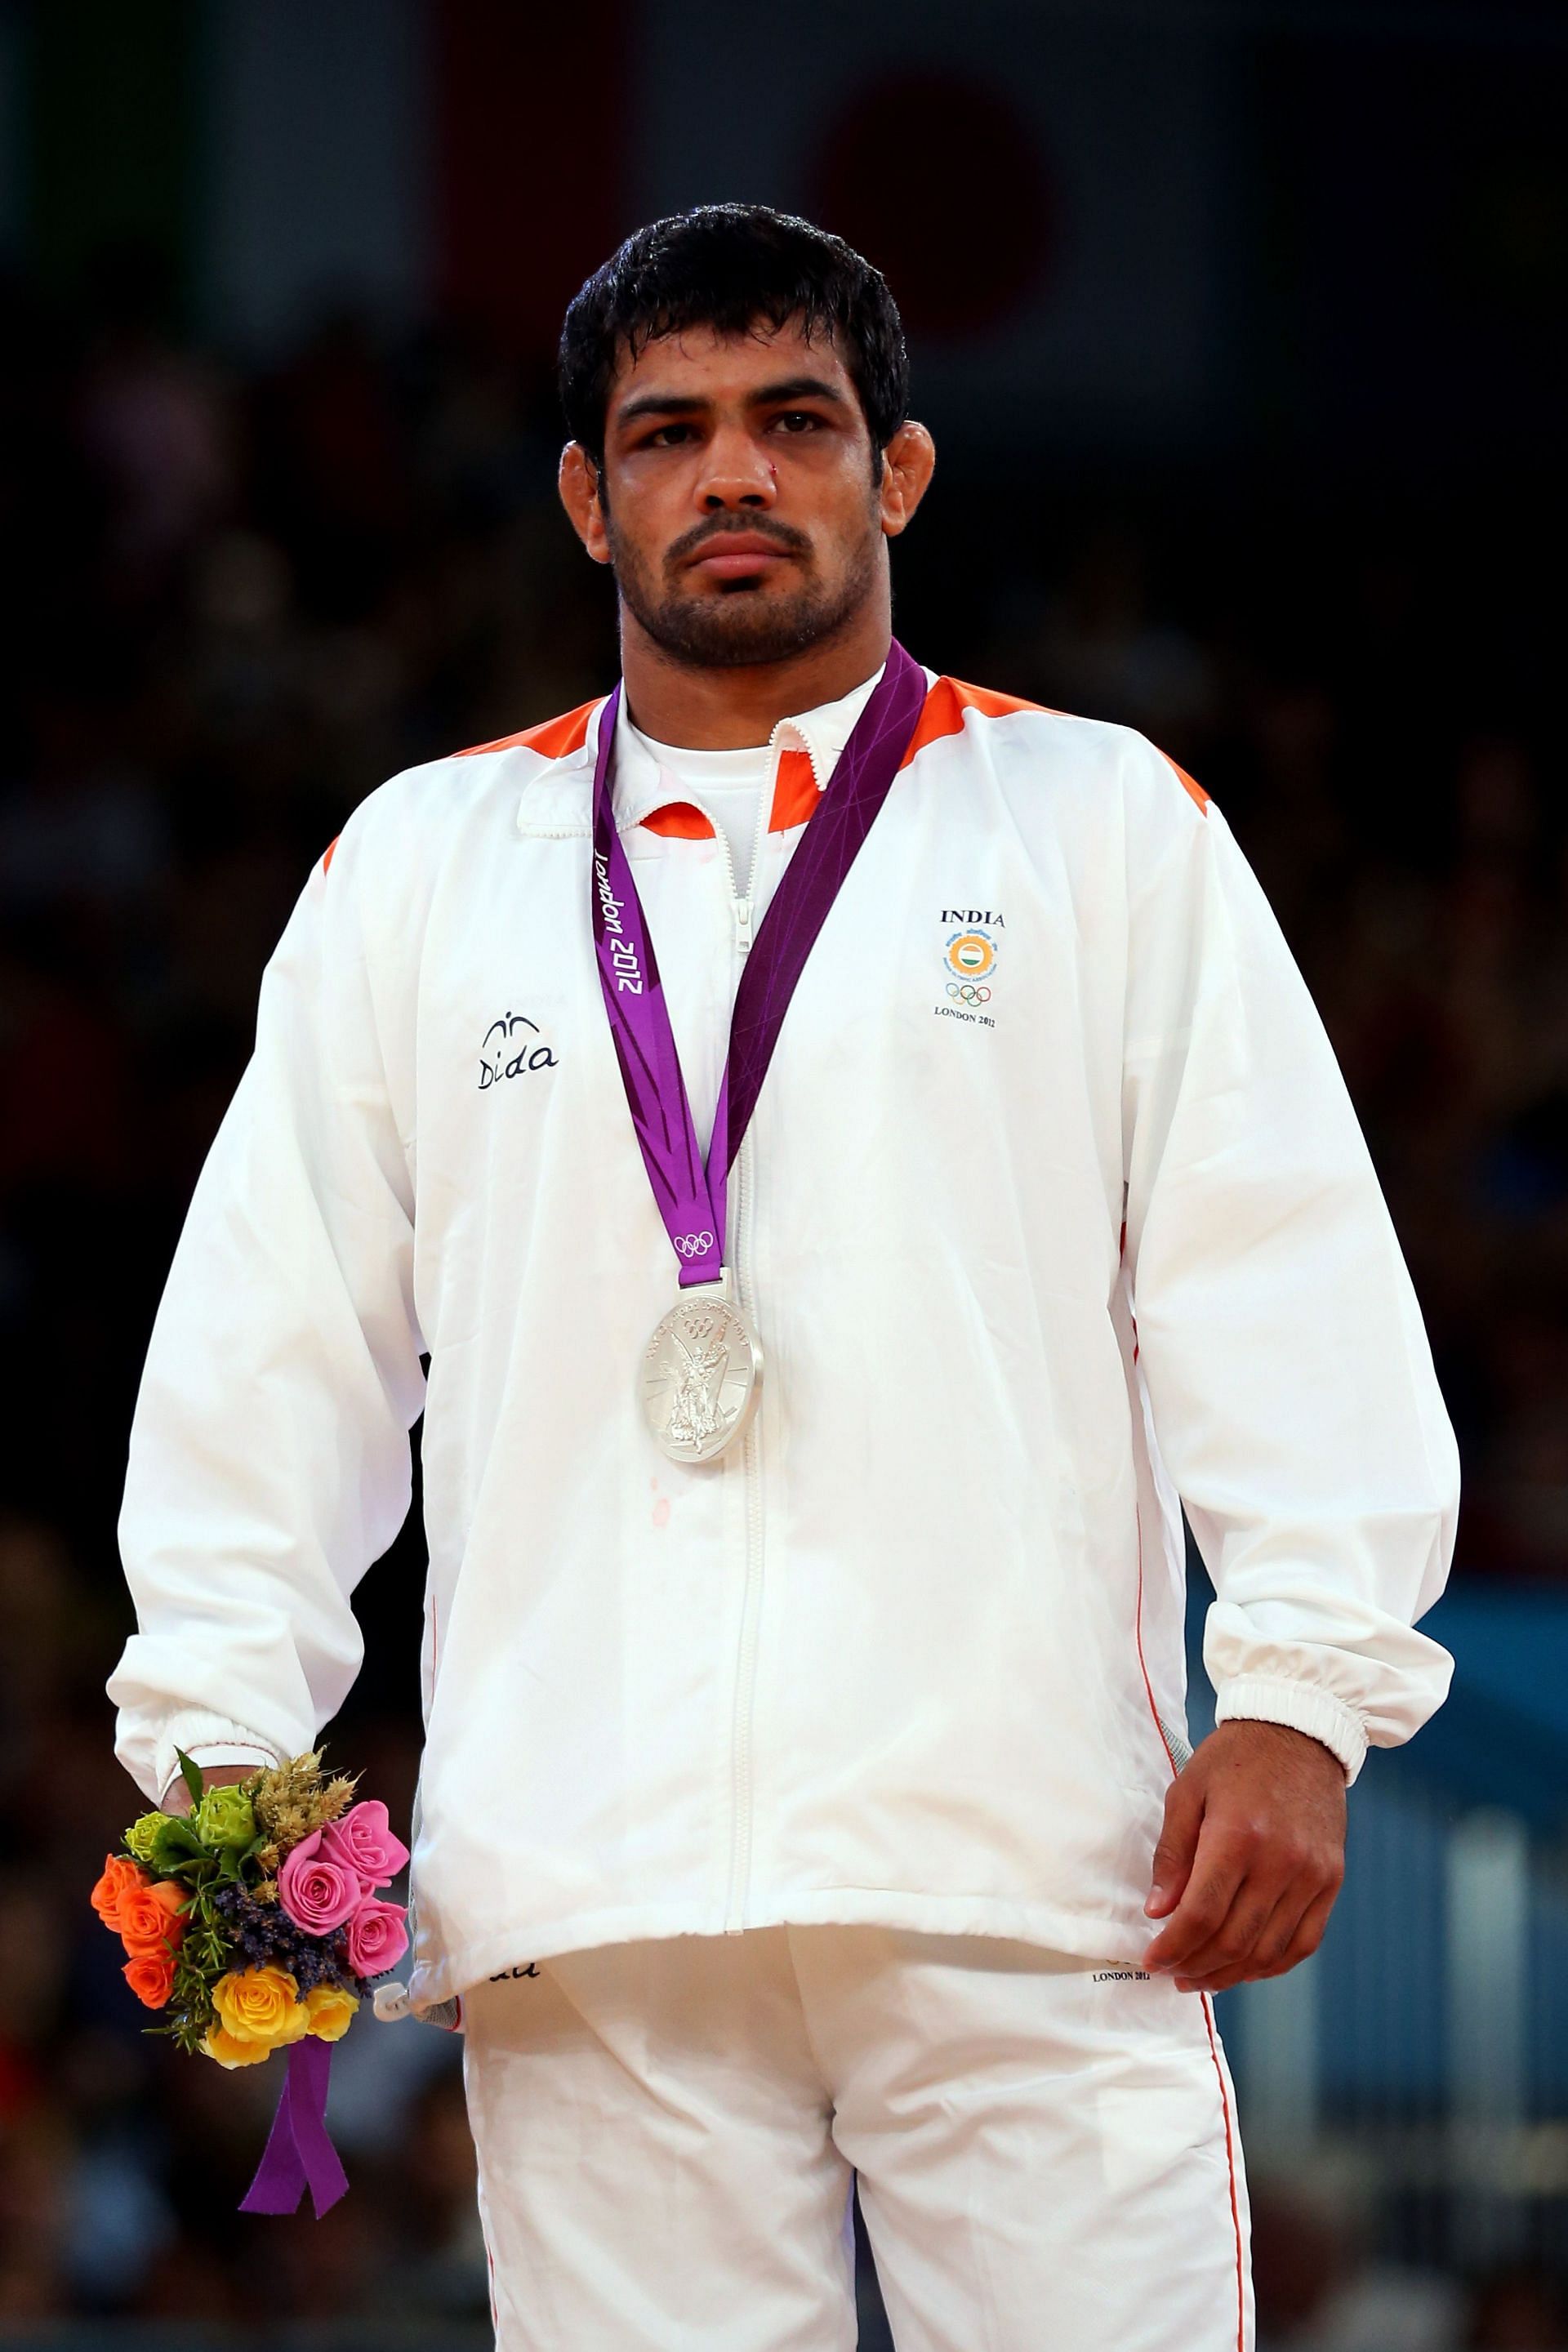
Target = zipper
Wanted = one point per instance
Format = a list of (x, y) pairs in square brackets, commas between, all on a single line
[(737, 1252), (740, 1791)]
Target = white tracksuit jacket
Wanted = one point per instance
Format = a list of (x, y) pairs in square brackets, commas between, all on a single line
[(1054, 1209)]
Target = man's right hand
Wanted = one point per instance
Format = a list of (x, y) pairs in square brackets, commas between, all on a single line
[(177, 1798)]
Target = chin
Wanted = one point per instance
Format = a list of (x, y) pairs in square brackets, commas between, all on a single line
[(734, 627)]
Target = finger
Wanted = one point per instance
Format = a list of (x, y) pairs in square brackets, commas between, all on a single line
[(1253, 1927), (1210, 1891), (1309, 1933), (1178, 1845), (1238, 1931), (1292, 1934), (1260, 1922)]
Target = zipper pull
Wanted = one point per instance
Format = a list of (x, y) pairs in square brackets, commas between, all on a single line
[(742, 924)]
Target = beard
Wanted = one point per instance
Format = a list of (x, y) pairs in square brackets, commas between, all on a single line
[(737, 626)]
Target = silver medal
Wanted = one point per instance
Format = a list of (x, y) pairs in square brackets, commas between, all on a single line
[(702, 1374)]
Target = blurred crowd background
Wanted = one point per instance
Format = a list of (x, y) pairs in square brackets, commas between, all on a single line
[(1243, 333)]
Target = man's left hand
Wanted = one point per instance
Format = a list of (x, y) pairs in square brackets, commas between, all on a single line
[(1250, 1859)]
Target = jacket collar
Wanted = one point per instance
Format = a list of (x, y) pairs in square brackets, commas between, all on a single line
[(559, 798)]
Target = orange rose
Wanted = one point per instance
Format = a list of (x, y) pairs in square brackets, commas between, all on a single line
[(119, 1877), (150, 1976), (150, 1918)]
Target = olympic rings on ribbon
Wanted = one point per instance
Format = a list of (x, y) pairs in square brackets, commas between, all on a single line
[(693, 1244), (967, 992)]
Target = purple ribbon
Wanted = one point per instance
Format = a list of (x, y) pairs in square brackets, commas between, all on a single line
[(298, 2155), (692, 1197)]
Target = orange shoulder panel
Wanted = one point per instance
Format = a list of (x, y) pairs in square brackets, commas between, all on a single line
[(327, 860), (552, 739), (946, 703), (1189, 783)]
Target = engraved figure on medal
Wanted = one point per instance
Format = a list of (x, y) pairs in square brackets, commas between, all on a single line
[(702, 1375)]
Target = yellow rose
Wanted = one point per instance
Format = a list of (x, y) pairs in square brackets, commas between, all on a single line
[(232, 2054), (330, 2011), (260, 2005)]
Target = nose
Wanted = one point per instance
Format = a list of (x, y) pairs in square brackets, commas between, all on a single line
[(737, 475)]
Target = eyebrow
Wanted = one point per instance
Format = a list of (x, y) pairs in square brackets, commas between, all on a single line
[(767, 395)]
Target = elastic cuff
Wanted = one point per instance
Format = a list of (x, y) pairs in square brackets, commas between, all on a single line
[(208, 1739), (1300, 1706)]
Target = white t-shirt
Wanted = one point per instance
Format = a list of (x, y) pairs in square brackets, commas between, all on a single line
[(732, 784), (728, 783)]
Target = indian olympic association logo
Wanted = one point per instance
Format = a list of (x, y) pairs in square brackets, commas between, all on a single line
[(970, 954), (512, 1046)]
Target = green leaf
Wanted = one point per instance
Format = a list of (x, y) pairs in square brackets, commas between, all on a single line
[(192, 1776), (176, 1848)]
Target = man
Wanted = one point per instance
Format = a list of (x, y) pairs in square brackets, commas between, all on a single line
[(804, 1785)]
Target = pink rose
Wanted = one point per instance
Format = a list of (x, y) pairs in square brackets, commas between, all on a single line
[(363, 1842), (317, 1893), (377, 1936)]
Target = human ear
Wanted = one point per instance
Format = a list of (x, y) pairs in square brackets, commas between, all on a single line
[(907, 465), (578, 483)]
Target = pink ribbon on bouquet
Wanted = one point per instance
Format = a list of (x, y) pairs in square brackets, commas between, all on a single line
[(299, 2154)]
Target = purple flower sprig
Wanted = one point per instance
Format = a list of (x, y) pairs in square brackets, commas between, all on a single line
[(263, 1934)]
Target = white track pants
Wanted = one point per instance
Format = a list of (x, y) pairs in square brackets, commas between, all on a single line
[(1046, 2152)]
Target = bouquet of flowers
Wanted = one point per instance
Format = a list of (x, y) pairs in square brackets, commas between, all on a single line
[(255, 1923)]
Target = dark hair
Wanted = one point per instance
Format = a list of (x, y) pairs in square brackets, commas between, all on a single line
[(732, 268)]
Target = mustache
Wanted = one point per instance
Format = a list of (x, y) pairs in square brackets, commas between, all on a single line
[(790, 541)]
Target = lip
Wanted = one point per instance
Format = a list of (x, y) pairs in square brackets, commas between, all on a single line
[(729, 558)]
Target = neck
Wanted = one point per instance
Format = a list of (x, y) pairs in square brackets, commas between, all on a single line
[(730, 709)]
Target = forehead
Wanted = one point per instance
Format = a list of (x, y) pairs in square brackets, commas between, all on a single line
[(699, 363)]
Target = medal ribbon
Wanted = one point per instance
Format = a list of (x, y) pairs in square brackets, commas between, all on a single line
[(692, 1197)]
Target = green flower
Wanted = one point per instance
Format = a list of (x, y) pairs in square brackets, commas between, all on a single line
[(141, 1837), (225, 1817)]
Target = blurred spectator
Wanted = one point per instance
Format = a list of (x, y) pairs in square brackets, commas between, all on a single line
[(1097, 646), (1521, 2309), (153, 423), (1319, 2291), (442, 2270)]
